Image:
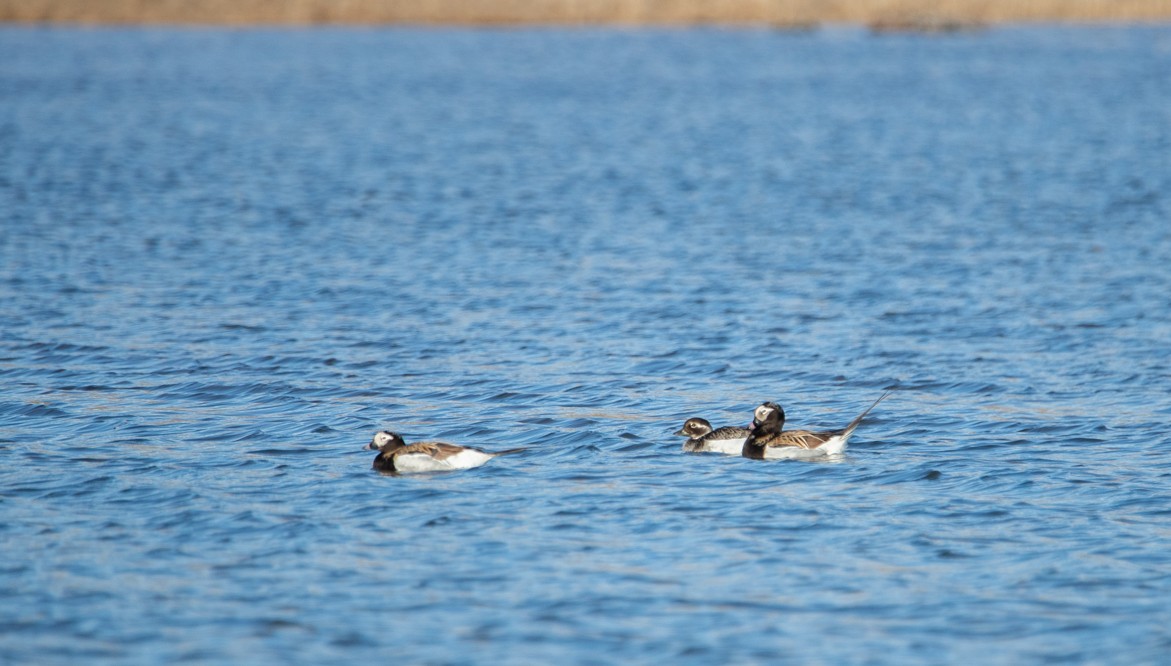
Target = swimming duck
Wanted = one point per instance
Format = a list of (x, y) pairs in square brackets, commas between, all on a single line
[(768, 440), (395, 455), (701, 438)]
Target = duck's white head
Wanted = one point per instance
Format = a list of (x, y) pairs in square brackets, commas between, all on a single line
[(384, 439), (769, 417)]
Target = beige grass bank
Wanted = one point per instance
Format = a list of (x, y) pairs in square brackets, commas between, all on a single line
[(879, 13)]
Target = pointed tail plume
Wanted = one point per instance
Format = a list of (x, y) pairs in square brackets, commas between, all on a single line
[(854, 424)]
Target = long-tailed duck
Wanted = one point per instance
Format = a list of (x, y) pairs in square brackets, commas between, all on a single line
[(768, 440), (701, 438), (395, 455)]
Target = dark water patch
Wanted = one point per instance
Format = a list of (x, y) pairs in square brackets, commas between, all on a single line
[(24, 410)]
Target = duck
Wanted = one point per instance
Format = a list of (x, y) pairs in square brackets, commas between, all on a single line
[(768, 440), (395, 455), (702, 438)]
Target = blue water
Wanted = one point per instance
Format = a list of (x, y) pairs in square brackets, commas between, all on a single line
[(228, 257)]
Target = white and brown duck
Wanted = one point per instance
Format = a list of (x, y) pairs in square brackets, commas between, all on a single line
[(395, 455), (769, 440), (702, 438)]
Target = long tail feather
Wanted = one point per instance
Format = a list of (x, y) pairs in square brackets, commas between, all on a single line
[(857, 420), (508, 451)]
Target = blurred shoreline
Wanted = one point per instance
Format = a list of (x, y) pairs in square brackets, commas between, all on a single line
[(915, 15)]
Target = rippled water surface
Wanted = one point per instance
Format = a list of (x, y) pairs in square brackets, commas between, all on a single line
[(228, 257)]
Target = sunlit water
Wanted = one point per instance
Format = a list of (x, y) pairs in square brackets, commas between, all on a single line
[(228, 257)]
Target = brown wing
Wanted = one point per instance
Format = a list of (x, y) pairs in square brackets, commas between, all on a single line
[(437, 450), (803, 439)]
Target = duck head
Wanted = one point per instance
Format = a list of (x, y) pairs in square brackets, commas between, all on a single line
[(768, 418), (694, 428), (386, 440)]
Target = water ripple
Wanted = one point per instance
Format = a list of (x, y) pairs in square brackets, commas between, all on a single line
[(229, 257)]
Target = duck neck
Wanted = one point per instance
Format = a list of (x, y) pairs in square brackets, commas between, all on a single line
[(385, 461), (751, 449)]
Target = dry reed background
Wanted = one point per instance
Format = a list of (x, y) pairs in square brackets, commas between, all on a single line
[(879, 13)]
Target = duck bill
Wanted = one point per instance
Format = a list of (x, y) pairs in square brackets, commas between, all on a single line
[(680, 433)]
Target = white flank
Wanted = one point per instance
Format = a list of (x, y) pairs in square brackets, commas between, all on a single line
[(731, 447), (406, 463), (469, 458)]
